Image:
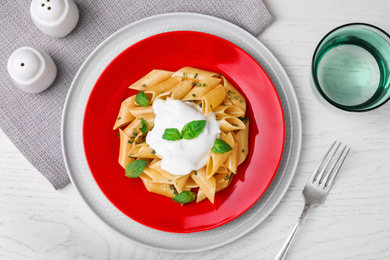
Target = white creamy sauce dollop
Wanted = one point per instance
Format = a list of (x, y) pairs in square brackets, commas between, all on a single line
[(182, 156)]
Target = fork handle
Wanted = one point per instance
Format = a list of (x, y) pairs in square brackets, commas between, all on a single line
[(283, 251)]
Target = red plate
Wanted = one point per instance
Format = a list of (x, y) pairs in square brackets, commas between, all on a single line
[(172, 51)]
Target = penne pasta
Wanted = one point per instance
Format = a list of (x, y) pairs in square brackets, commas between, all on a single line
[(201, 89), (138, 139), (124, 146), (190, 184), (142, 151), (207, 185), (156, 176), (156, 165), (200, 196), (213, 99), (132, 130), (233, 94), (153, 91), (145, 177), (211, 92), (227, 102), (228, 110), (216, 160), (242, 140), (181, 89), (231, 162), (180, 183), (160, 188), (231, 123), (152, 78), (222, 182), (178, 91), (124, 116), (222, 135), (149, 118), (222, 169), (138, 112), (194, 73)]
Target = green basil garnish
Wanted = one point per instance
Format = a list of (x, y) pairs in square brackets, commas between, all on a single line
[(135, 168), (193, 129), (171, 134), (221, 146), (144, 126), (190, 131), (184, 197), (141, 99)]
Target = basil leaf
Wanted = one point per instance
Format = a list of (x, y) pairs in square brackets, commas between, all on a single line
[(141, 99), (221, 146), (184, 197), (193, 129), (135, 168), (171, 134), (144, 126)]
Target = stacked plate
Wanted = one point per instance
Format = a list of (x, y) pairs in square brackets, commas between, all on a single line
[(272, 162)]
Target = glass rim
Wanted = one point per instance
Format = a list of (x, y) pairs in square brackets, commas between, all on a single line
[(317, 86)]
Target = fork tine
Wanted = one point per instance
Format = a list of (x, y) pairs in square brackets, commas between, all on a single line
[(320, 179), (314, 175), (330, 170), (343, 156)]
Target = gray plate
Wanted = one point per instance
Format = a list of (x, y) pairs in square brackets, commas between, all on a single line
[(72, 140)]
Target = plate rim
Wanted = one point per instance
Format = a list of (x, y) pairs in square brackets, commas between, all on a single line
[(249, 37)]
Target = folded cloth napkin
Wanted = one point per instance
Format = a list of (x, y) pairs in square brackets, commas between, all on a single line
[(33, 121)]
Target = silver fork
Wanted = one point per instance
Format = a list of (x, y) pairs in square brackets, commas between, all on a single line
[(318, 187)]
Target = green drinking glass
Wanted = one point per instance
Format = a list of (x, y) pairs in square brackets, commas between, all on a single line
[(351, 68)]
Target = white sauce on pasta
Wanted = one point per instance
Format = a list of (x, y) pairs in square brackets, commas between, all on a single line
[(182, 156)]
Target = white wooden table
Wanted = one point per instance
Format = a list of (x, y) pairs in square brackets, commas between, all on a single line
[(37, 222)]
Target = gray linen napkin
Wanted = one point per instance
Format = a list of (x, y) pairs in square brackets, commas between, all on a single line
[(33, 121)]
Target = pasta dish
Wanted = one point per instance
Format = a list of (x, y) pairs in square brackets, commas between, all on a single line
[(183, 134)]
